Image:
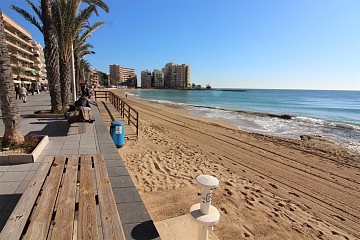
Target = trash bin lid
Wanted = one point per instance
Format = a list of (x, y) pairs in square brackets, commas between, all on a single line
[(115, 123)]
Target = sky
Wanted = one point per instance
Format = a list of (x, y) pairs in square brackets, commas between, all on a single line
[(276, 44)]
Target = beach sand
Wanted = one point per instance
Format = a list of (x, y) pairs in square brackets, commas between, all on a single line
[(270, 188)]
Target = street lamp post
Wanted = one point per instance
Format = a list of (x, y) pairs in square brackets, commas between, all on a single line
[(73, 73)]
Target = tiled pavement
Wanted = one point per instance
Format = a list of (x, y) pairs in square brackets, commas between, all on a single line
[(65, 140)]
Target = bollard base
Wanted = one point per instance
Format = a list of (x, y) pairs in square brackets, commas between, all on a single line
[(205, 219), (180, 228)]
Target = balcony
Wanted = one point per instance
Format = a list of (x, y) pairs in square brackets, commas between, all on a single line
[(18, 56), (17, 37), (19, 48)]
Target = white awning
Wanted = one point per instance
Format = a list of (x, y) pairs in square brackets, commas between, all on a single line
[(17, 81)]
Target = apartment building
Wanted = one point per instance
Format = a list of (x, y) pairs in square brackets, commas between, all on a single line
[(158, 78), (176, 76), (121, 75), (25, 55), (146, 79), (39, 63), (94, 77)]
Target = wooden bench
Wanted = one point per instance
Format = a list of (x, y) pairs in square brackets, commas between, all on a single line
[(70, 197), (75, 116)]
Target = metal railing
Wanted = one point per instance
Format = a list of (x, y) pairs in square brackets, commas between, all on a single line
[(126, 111)]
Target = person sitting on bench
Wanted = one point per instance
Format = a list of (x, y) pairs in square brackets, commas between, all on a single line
[(83, 106), (82, 102)]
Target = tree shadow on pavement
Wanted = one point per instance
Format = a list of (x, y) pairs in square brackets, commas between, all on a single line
[(53, 128)]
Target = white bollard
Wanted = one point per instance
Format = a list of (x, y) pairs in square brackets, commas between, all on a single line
[(204, 213)]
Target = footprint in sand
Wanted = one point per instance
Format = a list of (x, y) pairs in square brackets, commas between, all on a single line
[(339, 217), (224, 211), (273, 185), (228, 192), (243, 193), (229, 184), (295, 194), (247, 233)]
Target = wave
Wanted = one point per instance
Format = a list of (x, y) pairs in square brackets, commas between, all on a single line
[(321, 122)]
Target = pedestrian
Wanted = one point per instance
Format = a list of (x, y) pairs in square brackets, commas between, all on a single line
[(38, 87), (23, 93), (17, 89)]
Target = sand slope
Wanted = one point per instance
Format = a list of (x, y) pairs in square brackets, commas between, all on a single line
[(270, 188)]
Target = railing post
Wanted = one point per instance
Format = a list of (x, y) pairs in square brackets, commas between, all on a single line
[(137, 124), (129, 115)]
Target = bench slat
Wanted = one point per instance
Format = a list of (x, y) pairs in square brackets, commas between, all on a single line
[(110, 219), (64, 219), (40, 221), (87, 224), (17, 220)]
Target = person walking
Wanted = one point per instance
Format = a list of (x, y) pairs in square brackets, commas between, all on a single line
[(17, 89), (23, 93)]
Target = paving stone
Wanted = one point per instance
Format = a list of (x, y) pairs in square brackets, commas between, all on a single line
[(8, 187), (13, 176), (134, 212), (126, 195), (20, 167), (68, 152), (4, 200), (4, 168), (4, 216), (70, 146), (88, 151), (50, 152), (12, 202), (111, 156), (22, 187), (117, 171), (121, 181), (29, 175), (141, 230), (114, 163), (36, 164)]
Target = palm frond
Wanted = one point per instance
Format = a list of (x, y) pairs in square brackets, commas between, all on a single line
[(98, 3), (28, 17)]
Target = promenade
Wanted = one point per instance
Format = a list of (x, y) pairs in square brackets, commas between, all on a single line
[(65, 140)]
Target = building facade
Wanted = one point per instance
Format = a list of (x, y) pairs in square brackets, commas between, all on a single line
[(177, 76), (158, 78), (120, 75), (145, 79), (94, 78), (39, 63), (26, 56)]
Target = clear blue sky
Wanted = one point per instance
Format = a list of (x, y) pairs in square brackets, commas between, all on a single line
[(301, 44)]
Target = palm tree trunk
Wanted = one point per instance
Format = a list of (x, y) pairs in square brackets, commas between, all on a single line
[(9, 107), (51, 53), (66, 75)]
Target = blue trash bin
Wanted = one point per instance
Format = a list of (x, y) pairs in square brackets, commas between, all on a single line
[(117, 133)]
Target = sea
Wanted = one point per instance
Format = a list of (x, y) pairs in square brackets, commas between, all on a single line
[(333, 115)]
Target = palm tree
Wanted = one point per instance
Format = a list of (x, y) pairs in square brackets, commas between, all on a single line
[(80, 67), (69, 21), (81, 49), (18, 71), (51, 50), (9, 107), (84, 69)]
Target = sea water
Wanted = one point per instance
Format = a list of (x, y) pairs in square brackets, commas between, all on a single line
[(332, 115)]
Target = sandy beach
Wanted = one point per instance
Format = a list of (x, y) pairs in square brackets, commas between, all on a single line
[(270, 188)]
